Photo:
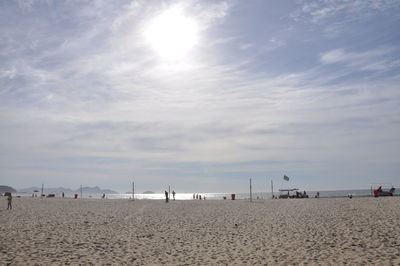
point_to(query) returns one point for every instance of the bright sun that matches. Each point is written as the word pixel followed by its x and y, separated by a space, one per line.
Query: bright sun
pixel 172 34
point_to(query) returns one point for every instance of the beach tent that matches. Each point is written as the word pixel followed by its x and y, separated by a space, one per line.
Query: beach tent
pixel 286 195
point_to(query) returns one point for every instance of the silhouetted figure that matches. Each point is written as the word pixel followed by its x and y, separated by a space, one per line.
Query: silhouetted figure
pixel 194 196
pixel 166 197
pixel 9 199
pixel 104 195
pixel 173 194
pixel 63 194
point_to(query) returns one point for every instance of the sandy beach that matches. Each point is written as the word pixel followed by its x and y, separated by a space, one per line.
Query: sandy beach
pixel 144 232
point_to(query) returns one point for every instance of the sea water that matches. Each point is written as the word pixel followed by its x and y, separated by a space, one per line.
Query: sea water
pixel 218 196
pixel 255 195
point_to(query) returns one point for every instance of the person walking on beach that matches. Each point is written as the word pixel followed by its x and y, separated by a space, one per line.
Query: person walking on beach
pixel 9 200
pixel 63 194
pixel 173 194
pixel 166 197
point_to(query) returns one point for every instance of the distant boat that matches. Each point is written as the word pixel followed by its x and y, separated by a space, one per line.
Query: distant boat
pixel 148 192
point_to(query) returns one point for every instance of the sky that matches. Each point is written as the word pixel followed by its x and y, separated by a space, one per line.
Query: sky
pixel 200 95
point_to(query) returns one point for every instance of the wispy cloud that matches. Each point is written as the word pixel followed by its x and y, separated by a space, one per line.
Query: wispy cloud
pixel 245 46
pixel 362 61
pixel 321 10
pixel 336 16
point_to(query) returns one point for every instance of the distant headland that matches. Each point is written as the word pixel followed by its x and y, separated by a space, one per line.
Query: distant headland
pixel 86 190
pixel 4 189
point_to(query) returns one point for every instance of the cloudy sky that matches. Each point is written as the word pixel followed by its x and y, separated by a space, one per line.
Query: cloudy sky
pixel 201 95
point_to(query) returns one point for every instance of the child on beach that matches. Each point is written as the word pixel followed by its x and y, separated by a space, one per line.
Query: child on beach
pixel 9 199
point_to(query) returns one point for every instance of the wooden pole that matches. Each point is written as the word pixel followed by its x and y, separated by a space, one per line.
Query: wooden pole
pixel 133 190
pixel 272 188
pixel 251 195
pixel 81 192
pixel 41 195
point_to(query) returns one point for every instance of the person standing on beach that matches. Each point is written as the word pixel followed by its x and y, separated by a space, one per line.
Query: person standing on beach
pixel 173 194
pixel 9 199
pixel 63 194
pixel 166 197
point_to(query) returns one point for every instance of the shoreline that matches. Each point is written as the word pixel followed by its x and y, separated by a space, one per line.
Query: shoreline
pixel 209 196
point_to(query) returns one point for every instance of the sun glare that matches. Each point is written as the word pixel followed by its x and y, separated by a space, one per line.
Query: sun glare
pixel 172 34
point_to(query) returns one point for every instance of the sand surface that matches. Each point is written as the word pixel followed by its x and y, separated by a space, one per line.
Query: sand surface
pixel 274 232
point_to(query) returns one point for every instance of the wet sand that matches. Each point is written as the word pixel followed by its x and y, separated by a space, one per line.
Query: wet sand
pixel 143 232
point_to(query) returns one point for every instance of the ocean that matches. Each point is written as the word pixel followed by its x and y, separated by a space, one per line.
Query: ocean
pixel 220 196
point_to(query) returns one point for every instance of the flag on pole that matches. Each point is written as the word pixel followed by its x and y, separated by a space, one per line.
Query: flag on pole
pixel 286 178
